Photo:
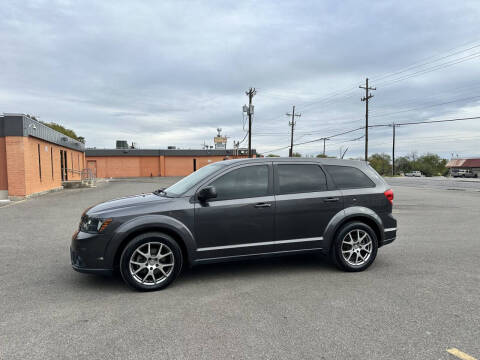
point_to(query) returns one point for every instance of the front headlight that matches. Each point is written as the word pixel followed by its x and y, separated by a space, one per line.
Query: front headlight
pixel 93 225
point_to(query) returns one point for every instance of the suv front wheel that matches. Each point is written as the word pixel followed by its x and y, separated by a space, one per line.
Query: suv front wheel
pixel 355 247
pixel 151 261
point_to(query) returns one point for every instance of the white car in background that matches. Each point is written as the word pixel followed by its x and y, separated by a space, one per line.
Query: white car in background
pixel 414 173
pixel 463 173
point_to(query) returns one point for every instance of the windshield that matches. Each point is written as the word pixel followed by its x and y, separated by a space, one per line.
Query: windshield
pixel 188 182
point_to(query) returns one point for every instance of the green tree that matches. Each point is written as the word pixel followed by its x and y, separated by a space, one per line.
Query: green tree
pixel 403 165
pixel 381 163
pixel 431 165
pixel 273 155
pixel 64 130
pixel 296 154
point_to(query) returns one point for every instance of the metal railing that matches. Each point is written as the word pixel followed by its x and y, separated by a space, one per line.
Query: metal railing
pixel 89 174
pixel 86 175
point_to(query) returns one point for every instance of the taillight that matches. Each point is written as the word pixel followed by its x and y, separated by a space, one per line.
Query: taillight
pixel 389 195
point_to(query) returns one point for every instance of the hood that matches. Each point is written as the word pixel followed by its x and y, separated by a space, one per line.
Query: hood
pixel 126 202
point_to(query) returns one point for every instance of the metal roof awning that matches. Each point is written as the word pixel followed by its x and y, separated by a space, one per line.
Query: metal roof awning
pixel 464 163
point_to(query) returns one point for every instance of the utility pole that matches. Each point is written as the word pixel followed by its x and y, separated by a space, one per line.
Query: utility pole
pixel 250 93
pixel 324 145
pixel 393 150
pixel 292 124
pixel 365 98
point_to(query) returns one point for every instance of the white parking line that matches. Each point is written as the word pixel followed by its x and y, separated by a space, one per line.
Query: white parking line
pixel 460 354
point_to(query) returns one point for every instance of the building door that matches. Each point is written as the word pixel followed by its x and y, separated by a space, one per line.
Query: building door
pixel 65 164
pixel 92 165
pixel 62 168
pixel 194 165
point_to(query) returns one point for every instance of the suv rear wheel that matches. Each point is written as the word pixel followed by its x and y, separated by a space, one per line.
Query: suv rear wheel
pixel 355 247
pixel 151 261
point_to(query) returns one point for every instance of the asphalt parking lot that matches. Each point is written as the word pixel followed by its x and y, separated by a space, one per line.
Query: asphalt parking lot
pixel 438 182
pixel 420 297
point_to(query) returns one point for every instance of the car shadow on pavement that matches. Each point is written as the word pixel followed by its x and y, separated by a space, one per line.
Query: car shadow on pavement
pixel 305 263
pixel 257 267
pixel 92 282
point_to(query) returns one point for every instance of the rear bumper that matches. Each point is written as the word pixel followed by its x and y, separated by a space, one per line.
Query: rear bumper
pixel 390 234
pixel 388 241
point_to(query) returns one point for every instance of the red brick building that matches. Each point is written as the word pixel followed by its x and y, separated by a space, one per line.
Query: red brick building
pixel 117 163
pixel 35 158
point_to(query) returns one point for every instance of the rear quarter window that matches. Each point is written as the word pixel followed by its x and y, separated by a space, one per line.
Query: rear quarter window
pixel 348 177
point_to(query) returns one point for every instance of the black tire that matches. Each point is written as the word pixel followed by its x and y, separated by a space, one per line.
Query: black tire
pixel 336 250
pixel 160 242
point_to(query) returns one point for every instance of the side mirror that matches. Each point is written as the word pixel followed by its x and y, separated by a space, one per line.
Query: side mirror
pixel 206 193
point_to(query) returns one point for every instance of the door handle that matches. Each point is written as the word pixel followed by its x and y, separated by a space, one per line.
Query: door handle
pixel 263 205
pixel 331 199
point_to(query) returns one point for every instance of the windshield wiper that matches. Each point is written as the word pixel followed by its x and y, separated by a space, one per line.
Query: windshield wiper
pixel 160 192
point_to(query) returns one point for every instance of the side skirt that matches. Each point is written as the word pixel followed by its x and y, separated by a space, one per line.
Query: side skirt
pixel 255 256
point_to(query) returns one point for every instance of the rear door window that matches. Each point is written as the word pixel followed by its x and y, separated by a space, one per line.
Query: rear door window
pixel 348 177
pixel 300 178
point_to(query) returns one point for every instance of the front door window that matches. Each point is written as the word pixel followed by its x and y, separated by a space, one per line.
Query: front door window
pixel 246 182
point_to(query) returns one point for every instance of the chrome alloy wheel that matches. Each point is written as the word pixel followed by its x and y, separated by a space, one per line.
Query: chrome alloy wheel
pixel 357 247
pixel 151 263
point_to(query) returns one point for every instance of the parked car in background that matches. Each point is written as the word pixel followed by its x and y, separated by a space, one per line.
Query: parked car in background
pixel 463 173
pixel 414 173
pixel 240 209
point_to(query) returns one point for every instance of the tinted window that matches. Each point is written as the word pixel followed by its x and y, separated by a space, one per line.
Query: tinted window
pixel 246 182
pixel 346 177
pixel 300 178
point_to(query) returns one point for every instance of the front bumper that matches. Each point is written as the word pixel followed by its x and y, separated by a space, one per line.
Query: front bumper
pixel 87 254
pixel 106 272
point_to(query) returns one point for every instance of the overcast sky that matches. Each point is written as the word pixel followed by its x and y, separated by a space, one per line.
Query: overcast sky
pixel 165 73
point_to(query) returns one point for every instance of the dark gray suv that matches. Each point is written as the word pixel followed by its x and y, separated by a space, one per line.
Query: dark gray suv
pixel 239 209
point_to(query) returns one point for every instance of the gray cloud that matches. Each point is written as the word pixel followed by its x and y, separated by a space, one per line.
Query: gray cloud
pixel 170 72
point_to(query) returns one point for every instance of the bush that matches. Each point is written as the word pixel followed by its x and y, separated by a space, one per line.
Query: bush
pixel 429 164
pixel 381 163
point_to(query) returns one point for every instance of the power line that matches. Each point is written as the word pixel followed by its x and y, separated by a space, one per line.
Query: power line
pixel 385 83
pixel 414 74
pixel 329 98
pixel 278 149
pixel 423 66
pixel 312 132
pixel 428 121
pixel 433 139
pixel 243 138
pixel 414 101
pixel 420 63
pixel 315 140
pixel 428 70
pixel 426 106
pixel 307 132
pixel 377 125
